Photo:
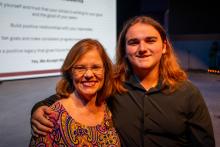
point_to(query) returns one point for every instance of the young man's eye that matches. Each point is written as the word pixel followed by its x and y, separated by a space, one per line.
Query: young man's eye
pixel 150 40
pixel 133 42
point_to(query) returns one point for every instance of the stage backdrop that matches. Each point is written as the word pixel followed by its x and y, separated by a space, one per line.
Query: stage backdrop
pixel 35 36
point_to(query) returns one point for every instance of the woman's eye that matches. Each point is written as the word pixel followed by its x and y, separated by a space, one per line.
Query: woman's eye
pixel 79 67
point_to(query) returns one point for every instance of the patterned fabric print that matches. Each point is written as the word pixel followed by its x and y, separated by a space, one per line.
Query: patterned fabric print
pixel 68 132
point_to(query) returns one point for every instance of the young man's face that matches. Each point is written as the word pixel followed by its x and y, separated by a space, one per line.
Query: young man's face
pixel 144 47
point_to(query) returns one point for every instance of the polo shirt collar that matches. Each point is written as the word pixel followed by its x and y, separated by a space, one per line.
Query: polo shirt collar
pixel 133 81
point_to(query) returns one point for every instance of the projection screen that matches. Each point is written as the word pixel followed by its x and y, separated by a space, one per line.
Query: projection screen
pixel 36 35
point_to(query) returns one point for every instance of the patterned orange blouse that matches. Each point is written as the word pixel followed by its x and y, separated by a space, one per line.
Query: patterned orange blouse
pixel 68 132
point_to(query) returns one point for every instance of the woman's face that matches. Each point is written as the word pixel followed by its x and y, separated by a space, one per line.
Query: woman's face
pixel 88 74
pixel 144 47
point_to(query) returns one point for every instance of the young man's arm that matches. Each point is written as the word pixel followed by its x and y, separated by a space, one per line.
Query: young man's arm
pixel 39 122
pixel 46 102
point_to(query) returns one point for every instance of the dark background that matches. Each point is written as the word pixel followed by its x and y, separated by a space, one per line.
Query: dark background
pixel 184 17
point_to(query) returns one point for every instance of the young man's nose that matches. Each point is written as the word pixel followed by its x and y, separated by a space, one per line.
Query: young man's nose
pixel 142 46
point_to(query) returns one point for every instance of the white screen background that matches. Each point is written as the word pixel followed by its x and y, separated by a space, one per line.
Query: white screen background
pixel 35 36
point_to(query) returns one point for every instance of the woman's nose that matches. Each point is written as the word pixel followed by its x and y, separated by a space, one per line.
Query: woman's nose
pixel 89 73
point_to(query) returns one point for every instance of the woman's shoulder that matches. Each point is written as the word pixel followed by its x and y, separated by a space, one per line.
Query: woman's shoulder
pixel 57 110
pixel 57 106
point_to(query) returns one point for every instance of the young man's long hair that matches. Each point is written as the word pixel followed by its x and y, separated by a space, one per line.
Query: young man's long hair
pixel 169 69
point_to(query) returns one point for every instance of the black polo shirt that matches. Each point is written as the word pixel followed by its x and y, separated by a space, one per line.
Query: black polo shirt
pixel 157 119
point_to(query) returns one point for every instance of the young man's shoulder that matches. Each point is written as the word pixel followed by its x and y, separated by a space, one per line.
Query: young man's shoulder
pixel 188 85
pixel 189 88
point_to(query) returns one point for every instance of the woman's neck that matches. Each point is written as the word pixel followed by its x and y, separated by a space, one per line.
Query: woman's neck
pixel 86 113
pixel 82 102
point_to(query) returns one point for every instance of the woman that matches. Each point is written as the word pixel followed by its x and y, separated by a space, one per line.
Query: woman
pixel 82 117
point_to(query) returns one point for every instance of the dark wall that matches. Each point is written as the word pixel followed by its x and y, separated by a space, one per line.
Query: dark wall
pixel 130 8
pixel 184 17
pixel 126 10
pixel 194 17
pixel 155 9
